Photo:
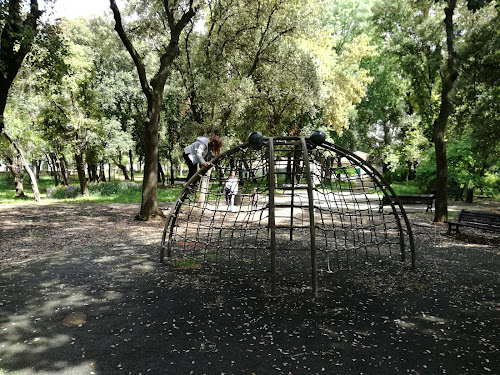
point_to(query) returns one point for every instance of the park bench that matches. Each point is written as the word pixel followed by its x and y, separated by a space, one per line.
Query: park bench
pixel 294 186
pixel 180 180
pixel 475 219
pixel 458 192
pixel 427 199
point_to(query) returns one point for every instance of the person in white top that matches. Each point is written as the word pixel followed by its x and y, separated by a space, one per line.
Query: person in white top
pixel 196 152
pixel 230 190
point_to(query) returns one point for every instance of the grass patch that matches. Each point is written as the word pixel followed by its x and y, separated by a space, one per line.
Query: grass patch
pixel 118 191
pixel 409 188
pixel 193 263
pixel 107 192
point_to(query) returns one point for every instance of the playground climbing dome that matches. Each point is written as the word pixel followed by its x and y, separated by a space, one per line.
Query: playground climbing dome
pixel 299 205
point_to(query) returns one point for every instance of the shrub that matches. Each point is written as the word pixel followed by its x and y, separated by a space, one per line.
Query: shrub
pixel 465 169
pixel 108 189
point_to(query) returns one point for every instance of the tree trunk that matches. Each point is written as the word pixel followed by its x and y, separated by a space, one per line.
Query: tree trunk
pixel 4 92
pixel 36 167
pixel 387 143
pixel 34 184
pixel 81 175
pixel 60 172
pixel 17 37
pixel 10 166
pixel 122 167
pixel 131 164
pixel 153 91
pixel 64 171
pixel 149 203
pixel 22 159
pixel 124 170
pixel 17 171
pixel 92 169
pixel 451 74
pixel 172 171
pixel 161 174
pixel 469 197
pixel 95 173
pixel 53 166
pixel 102 173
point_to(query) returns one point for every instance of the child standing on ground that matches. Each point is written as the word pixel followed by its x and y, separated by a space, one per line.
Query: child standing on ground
pixel 230 190
pixel 254 197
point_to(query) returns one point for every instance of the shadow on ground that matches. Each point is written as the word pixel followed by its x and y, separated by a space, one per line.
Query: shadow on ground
pixel 132 315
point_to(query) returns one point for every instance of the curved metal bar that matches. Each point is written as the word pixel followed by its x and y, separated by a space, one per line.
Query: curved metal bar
pixel 383 185
pixel 172 217
pixel 355 160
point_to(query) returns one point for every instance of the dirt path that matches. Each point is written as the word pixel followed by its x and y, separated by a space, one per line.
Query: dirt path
pixel 29 231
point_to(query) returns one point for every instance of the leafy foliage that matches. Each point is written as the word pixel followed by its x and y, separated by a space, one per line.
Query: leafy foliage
pixel 366 72
pixel 464 168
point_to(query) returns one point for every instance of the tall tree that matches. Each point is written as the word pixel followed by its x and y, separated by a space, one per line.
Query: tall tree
pixel 177 15
pixel 17 37
pixel 448 80
pixel 450 75
pixel 18 32
pixel 268 65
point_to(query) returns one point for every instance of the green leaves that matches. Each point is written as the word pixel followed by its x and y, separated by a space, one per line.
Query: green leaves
pixel 475 5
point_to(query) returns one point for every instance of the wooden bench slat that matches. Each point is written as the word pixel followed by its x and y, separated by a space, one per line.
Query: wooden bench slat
pixel 427 199
pixel 475 219
pixel 458 192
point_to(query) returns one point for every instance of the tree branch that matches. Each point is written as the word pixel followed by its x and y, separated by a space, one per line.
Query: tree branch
pixel 141 70
pixel 170 15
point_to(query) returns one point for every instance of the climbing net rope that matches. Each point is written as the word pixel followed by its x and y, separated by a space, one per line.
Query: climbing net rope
pixel 290 206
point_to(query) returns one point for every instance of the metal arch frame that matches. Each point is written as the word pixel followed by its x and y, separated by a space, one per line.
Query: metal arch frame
pixel 381 183
pixel 172 217
pixel 384 186
pixel 307 145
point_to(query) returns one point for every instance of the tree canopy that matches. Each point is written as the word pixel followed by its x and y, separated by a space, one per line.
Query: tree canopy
pixel 138 84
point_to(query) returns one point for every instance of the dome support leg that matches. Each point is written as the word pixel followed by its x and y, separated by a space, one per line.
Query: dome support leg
pixel 272 215
pixel 312 224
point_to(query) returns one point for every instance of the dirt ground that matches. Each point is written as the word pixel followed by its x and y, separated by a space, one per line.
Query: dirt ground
pixel 32 231
pixel 95 266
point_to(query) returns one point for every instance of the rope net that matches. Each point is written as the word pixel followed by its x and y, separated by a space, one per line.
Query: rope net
pixel 293 207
